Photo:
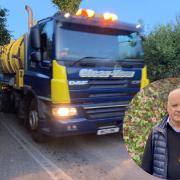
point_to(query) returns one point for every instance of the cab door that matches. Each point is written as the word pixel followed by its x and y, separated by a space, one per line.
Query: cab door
pixel 39 66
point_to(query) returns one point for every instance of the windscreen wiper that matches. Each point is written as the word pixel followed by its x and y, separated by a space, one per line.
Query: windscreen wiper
pixel 82 59
pixel 93 61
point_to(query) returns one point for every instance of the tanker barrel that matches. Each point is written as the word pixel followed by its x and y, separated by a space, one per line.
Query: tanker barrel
pixel 12 56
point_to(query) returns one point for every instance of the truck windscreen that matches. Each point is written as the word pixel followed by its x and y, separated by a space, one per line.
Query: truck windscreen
pixel 74 45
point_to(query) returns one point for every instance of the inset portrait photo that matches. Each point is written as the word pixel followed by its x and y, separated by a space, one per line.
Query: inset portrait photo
pixel 151 129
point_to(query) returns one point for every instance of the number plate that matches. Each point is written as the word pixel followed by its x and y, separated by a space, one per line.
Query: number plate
pixel 108 131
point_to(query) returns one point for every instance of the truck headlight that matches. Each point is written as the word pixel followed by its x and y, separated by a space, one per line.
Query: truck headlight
pixel 64 111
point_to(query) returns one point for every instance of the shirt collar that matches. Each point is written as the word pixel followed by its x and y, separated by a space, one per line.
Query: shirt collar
pixel 168 122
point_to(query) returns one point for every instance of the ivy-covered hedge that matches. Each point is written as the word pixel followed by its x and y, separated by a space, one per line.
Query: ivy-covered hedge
pixel 146 110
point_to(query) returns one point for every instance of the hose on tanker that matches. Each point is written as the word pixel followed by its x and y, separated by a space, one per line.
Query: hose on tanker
pixel 12 56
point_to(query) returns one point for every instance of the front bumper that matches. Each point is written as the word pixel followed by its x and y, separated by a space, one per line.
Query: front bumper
pixel 59 128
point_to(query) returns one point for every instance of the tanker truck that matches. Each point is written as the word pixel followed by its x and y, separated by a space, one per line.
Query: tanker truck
pixel 72 74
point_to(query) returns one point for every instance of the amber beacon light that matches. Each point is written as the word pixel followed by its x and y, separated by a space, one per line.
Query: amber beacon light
pixel 85 12
pixel 90 14
pixel 110 16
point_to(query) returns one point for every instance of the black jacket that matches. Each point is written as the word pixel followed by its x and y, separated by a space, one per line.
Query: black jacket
pixel 158 138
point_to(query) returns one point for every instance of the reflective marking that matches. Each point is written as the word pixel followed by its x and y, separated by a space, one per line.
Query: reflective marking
pixel 53 171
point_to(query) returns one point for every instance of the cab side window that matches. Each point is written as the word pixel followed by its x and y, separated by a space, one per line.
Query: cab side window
pixel 46 34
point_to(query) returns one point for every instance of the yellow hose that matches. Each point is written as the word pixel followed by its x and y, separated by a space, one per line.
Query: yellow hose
pixel 12 56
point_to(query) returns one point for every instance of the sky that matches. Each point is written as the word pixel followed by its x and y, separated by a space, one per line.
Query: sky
pixel 152 12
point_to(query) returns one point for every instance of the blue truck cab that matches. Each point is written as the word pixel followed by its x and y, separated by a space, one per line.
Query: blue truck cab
pixel 78 76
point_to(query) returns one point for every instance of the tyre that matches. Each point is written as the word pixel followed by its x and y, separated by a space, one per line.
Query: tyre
pixel 33 123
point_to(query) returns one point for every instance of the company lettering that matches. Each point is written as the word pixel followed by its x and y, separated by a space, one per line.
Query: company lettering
pixel 114 73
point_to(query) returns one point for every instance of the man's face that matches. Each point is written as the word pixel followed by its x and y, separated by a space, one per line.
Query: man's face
pixel 173 106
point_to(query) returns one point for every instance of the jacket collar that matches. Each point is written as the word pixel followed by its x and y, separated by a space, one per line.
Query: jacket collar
pixel 163 125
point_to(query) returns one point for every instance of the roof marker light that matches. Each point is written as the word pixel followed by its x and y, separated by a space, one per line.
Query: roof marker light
pixel 138 26
pixel 67 15
pixel 109 16
pixel 90 13
pixel 87 13
pixel 114 17
pixel 79 12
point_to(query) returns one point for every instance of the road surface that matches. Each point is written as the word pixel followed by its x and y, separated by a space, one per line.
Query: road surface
pixel 87 157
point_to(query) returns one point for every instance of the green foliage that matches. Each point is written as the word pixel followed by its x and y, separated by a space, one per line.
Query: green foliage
pixel 70 6
pixel 4 33
pixel 144 112
pixel 162 51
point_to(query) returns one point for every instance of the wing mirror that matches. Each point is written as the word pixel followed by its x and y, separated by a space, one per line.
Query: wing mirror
pixel 35 38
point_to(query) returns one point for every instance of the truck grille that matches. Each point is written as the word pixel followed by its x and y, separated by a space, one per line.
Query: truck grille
pixel 105 110
pixel 104 90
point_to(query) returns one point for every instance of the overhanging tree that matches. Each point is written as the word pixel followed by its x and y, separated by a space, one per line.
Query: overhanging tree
pixel 4 33
pixel 162 51
pixel 70 6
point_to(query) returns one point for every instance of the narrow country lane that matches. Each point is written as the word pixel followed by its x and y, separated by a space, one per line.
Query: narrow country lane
pixel 87 157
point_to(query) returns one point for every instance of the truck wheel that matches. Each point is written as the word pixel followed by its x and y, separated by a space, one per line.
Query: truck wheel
pixel 33 123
